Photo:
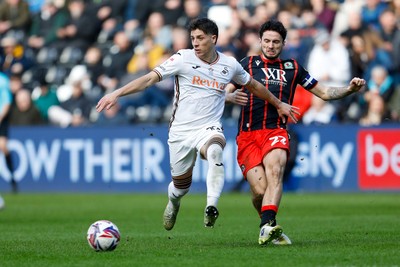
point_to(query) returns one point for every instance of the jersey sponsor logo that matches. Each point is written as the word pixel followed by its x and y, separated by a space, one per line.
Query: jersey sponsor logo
pixel 275 76
pixel 197 80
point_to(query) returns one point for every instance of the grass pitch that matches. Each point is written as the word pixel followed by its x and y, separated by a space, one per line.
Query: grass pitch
pixel 326 230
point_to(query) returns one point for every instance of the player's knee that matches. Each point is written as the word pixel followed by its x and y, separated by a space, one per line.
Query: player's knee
pixel 215 152
pixel 182 182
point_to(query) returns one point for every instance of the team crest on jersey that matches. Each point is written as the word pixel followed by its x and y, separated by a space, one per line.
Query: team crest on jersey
pixel 288 65
pixel 225 71
pixel 258 62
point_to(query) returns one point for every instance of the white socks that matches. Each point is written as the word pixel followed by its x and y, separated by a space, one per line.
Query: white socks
pixel 175 194
pixel 215 174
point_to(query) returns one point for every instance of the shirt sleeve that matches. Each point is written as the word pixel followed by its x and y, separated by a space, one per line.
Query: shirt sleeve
pixel 306 80
pixel 241 77
pixel 172 66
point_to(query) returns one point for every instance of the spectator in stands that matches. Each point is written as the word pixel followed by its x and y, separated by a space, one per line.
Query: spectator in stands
pixel 45 24
pixel 14 18
pixel 381 84
pixel 295 47
pixel 180 39
pixel 326 53
pixel 325 13
pixel 151 103
pixel 36 5
pixel 75 111
pixel 117 58
pixel 78 106
pixel 158 30
pixel 13 59
pixel 171 10
pixel 24 112
pixel 152 50
pixel 94 69
pixel 112 117
pixel 192 9
pixel 16 84
pixel 249 43
pixel 344 15
pixel 80 29
pixel 44 97
pixel 395 7
pixel 375 112
pixel 394 105
pixel 371 11
pixel 387 32
pixel 320 112
pixel 111 16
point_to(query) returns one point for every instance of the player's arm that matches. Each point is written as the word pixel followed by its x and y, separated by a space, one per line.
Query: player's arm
pixel 235 96
pixel 283 109
pixel 332 93
pixel 132 87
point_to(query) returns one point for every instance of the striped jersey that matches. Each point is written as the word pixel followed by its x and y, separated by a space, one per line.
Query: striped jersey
pixel 199 87
pixel 281 78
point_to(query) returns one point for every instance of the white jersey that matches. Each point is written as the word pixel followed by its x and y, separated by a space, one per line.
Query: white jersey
pixel 199 87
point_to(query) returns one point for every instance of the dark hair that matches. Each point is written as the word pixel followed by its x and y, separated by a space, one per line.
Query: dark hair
pixel 273 25
pixel 204 24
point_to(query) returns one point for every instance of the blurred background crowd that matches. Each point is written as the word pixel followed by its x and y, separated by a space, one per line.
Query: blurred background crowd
pixel 61 56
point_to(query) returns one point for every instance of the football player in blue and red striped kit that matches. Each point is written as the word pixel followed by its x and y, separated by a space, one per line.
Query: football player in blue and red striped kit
pixel 262 140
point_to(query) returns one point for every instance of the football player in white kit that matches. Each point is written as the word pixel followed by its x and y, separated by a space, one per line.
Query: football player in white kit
pixel 201 75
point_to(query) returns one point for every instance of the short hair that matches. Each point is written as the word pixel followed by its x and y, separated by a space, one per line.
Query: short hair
pixel 206 25
pixel 273 25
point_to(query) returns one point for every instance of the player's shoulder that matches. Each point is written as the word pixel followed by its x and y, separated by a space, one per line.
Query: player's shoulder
pixel 185 53
pixel 226 58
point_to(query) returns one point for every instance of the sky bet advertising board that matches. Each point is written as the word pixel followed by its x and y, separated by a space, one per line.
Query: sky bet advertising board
pixel 341 158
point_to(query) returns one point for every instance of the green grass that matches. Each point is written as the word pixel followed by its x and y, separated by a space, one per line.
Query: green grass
pixel 326 230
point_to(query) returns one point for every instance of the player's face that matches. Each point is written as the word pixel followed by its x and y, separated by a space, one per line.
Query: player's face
pixel 271 44
pixel 203 44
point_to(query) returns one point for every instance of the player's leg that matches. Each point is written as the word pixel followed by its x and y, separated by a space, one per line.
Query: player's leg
pixel 7 156
pixel 212 151
pixel 274 163
pixel 177 188
pixel 182 159
pixel 258 184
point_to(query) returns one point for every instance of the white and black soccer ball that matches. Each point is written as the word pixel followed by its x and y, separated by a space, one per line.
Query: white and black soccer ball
pixel 103 235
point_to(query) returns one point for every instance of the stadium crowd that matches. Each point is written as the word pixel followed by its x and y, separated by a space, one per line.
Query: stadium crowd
pixel 61 56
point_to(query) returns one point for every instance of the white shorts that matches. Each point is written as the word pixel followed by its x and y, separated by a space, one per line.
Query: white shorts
pixel 184 146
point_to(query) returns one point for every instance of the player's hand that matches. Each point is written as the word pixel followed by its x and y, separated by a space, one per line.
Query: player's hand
pixel 107 101
pixel 356 84
pixel 285 109
pixel 237 97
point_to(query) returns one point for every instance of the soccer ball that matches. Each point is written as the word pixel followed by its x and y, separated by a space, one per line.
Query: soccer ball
pixel 103 235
